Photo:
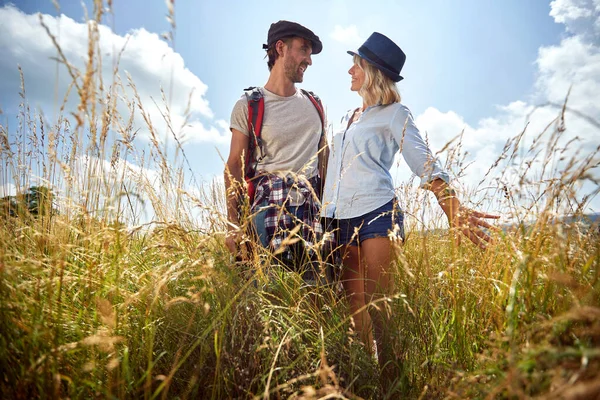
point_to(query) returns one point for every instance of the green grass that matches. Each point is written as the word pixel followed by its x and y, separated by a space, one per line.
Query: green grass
pixel 92 304
pixel 167 314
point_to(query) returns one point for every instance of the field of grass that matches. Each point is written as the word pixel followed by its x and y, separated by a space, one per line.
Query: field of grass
pixel 96 302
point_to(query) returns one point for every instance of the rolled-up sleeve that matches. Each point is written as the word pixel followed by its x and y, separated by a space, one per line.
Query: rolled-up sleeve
pixel 417 155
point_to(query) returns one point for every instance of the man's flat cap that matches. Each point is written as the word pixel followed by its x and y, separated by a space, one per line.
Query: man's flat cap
pixel 282 29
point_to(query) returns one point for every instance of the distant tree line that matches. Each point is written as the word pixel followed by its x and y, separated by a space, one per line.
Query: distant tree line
pixel 37 201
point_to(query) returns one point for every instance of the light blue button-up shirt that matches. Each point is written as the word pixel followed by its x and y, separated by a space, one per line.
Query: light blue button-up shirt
pixel 358 173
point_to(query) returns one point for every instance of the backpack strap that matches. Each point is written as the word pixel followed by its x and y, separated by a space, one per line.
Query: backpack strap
pixel 319 106
pixel 256 111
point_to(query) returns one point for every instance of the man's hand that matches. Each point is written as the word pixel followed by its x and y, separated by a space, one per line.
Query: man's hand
pixel 233 241
pixel 234 189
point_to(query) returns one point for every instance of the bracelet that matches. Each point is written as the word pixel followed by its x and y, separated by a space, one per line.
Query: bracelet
pixel 446 193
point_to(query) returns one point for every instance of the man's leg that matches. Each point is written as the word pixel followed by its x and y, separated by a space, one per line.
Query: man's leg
pixel 258 223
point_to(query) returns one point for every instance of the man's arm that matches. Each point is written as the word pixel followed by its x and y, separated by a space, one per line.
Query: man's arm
pixel 234 185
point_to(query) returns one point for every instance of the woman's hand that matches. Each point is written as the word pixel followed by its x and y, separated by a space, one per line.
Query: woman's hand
pixel 462 219
pixel 469 223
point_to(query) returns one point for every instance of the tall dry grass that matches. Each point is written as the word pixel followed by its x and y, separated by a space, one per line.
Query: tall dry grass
pixel 95 301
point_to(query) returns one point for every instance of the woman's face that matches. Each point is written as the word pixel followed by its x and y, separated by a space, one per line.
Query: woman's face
pixel 358 77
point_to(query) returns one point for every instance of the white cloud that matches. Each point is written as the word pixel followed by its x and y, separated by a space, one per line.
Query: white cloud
pixel 565 11
pixel 142 194
pixel 118 187
pixel 348 35
pixel 146 191
pixel 580 17
pixel 150 62
pixel 573 64
pixel 441 128
pixel 8 189
pixel 219 133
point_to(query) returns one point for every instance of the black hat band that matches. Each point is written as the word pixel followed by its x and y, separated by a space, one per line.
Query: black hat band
pixel 375 58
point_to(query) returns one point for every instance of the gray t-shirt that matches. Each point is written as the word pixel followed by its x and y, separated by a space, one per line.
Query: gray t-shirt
pixel 291 132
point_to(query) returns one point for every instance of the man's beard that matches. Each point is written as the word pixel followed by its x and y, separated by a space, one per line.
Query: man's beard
pixel 292 72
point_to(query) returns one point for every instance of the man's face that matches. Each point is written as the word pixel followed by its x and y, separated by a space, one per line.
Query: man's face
pixel 296 58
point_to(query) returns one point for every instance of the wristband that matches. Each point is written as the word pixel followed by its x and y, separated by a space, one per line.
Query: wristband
pixel 446 193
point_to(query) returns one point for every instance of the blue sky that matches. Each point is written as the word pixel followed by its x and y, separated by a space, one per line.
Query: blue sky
pixel 481 66
pixel 467 56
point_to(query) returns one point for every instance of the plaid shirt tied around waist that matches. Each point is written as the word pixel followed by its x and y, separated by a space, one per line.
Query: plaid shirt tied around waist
pixel 273 193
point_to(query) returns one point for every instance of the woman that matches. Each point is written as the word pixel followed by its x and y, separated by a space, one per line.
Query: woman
pixel 359 192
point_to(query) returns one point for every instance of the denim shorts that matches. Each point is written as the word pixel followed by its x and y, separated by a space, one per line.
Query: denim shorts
pixel 374 224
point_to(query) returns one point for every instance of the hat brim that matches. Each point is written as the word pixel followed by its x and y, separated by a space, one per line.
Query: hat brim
pixel 317 46
pixel 387 72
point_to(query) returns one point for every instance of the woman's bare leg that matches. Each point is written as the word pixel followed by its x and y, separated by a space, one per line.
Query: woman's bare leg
pixel 353 280
pixel 376 260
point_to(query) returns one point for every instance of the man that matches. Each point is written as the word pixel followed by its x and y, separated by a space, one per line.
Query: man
pixel 292 157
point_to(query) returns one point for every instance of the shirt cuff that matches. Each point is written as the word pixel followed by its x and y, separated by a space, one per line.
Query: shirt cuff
pixel 436 173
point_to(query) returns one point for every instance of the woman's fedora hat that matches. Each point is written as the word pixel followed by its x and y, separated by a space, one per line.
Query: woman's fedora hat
pixel 384 54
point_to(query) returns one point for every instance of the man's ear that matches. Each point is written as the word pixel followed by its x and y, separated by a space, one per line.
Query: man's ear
pixel 279 47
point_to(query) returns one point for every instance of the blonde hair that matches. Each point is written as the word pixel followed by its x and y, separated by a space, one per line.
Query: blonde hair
pixel 377 88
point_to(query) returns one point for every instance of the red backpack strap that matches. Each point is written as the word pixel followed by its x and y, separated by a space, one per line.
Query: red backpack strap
pixel 256 111
pixel 318 105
